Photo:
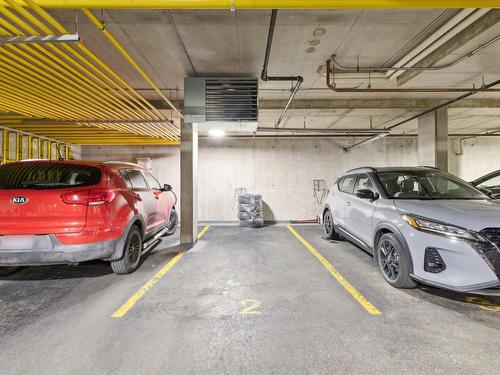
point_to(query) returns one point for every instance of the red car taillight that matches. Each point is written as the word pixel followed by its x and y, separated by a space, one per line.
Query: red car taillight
pixel 89 197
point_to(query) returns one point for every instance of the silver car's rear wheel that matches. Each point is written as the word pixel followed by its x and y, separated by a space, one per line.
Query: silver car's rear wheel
pixel 394 262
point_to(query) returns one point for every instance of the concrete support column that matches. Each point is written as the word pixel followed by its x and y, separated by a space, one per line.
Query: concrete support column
pixel 433 139
pixel 189 185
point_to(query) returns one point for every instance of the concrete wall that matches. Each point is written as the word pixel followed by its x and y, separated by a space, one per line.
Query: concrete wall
pixel 476 157
pixel 283 170
pixel 165 159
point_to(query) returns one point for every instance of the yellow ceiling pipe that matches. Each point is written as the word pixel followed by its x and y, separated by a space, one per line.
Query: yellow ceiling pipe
pixel 58 63
pixel 61 83
pixel 100 108
pixel 58 82
pixel 129 92
pixel 30 86
pixel 26 76
pixel 104 106
pixel 56 70
pixel 138 104
pixel 47 87
pixel 264 4
pixel 171 130
pixel 130 59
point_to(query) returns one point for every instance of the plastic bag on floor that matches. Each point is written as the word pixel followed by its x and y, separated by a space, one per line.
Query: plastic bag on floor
pixel 255 222
pixel 250 210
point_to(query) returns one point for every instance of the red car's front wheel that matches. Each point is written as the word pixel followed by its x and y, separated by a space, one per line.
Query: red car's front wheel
pixel 172 222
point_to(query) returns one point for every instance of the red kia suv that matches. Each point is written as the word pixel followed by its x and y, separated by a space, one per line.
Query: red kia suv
pixel 66 212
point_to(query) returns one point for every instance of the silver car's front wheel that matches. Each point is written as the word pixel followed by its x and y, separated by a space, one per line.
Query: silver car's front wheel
pixel 328 226
pixel 394 262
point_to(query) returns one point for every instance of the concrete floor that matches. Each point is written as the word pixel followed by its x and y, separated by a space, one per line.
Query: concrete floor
pixel 57 320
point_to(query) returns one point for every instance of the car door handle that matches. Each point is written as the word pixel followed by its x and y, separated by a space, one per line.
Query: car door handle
pixel 347 203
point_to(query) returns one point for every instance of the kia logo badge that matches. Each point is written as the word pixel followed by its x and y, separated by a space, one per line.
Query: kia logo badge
pixel 19 200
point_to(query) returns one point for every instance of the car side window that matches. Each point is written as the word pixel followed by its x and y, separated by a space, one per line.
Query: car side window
pixel 363 182
pixel 137 179
pixel 347 183
pixel 152 181
pixel 493 182
pixel 126 180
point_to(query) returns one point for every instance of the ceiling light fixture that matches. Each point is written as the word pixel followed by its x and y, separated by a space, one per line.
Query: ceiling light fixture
pixel 216 133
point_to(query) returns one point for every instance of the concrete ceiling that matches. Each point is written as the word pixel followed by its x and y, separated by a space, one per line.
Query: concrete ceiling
pixel 233 43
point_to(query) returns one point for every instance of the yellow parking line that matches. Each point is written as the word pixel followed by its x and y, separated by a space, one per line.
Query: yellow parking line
pixel 367 305
pixel 202 232
pixel 125 308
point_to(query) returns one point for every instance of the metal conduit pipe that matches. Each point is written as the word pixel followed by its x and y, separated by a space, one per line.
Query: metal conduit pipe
pixel 443 105
pixel 373 69
pixel 332 85
pixel 323 136
pixel 323 131
pixel 265 77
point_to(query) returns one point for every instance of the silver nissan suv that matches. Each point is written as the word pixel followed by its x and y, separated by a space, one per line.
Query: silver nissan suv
pixel 421 225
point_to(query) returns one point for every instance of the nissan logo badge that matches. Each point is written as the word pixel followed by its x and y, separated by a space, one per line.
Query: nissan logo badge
pixel 19 200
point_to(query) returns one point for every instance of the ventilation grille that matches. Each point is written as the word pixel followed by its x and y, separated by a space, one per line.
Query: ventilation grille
pixel 231 99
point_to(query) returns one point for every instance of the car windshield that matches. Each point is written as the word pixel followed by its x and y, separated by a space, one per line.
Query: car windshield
pixel 426 184
pixel 46 175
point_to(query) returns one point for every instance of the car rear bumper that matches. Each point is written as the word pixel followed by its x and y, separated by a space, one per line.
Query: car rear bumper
pixel 46 249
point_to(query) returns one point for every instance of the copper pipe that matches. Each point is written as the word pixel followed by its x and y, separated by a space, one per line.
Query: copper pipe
pixel 331 84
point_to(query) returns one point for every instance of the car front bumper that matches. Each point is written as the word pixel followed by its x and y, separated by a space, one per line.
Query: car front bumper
pixel 20 250
pixel 467 270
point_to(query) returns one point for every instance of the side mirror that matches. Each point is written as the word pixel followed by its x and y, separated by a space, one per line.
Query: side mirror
pixel 167 187
pixel 366 194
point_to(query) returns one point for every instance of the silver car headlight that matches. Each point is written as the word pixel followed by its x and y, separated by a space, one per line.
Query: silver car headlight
pixel 443 229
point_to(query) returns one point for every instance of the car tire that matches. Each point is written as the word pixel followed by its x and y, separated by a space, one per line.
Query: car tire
pixel 129 262
pixel 395 262
pixel 173 222
pixel 329 227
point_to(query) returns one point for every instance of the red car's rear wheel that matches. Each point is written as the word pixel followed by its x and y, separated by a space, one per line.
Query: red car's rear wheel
pixel 129 262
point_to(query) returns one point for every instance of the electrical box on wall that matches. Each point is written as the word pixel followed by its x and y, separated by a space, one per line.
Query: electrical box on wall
pixel 231 103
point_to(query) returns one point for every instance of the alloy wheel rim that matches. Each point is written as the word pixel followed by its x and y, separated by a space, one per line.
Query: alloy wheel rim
pixel 172 222
pixel 328 223
pixel 134 248
pixel 389 260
